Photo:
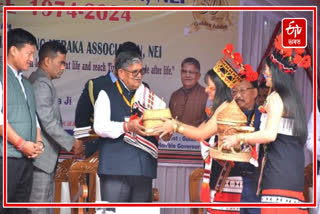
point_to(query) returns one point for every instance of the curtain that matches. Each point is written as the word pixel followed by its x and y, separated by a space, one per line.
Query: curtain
pixel 257 28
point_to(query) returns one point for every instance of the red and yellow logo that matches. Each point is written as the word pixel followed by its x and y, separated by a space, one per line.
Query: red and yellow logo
pixel 294 32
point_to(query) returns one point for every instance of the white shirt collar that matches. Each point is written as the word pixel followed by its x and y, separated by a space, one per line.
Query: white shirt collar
pixel 16 73
pixel 124 85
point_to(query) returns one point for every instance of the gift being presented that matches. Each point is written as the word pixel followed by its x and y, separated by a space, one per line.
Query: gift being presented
pixel 232 121
pixel 146 103
pixel 152 107
pixel 152 118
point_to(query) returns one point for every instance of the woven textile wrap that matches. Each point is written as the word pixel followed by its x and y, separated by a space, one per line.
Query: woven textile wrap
pixel 145 100
pixel 155 109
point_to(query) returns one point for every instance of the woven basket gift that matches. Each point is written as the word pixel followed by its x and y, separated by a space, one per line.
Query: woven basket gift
pixel 152 118
pixel 231 121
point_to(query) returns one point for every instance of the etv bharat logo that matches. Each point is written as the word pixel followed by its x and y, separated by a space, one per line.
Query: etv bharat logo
pixel 294 33
pixel 296 30
pixel 210 20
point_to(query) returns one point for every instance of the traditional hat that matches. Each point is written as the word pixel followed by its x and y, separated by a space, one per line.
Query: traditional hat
pixel 289 59
pixel 231 70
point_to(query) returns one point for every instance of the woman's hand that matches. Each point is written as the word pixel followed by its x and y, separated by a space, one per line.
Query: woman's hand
pixel 229 141
pixel 167 128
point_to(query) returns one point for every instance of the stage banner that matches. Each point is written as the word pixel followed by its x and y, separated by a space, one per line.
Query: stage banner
pixel 165 38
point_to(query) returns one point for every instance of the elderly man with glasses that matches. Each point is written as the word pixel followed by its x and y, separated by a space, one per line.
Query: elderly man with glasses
pixel 245 94
pixel 125 171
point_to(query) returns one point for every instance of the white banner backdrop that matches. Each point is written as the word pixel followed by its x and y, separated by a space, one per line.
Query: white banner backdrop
pixel 165 38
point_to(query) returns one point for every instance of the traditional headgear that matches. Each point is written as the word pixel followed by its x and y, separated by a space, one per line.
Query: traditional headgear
pixel 231 70
pixel 288 59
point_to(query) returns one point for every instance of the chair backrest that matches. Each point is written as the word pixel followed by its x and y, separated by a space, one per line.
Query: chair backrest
pixel 62 175
pixel 77 174
pixel 194 188
pixel 62 170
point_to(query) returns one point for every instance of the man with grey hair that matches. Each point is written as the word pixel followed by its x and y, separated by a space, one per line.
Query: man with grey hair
pixel 125 171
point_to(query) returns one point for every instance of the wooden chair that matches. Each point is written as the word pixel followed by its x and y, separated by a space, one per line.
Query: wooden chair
pixel 194 186
pixel 81 168
pixel 81 197
pixel 77 175
pixel 155 194
pixel 61 176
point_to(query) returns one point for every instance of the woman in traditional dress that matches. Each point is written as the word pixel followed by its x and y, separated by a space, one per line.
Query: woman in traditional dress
pixel 219 82
pixel 283 131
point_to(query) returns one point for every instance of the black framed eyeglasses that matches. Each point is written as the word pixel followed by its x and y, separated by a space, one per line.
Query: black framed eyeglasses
pixel 242 91
pixel 135 72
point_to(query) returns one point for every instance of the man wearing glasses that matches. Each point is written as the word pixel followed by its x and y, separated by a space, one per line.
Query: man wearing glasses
pixel 188 103
pixel 85 105
pixel 245 94
pixel 125 171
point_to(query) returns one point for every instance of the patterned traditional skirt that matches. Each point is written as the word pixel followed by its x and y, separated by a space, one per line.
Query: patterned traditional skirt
pixel 282 196
pixel 231 193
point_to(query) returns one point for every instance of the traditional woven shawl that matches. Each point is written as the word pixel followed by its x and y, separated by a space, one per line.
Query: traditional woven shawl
pixel 144 99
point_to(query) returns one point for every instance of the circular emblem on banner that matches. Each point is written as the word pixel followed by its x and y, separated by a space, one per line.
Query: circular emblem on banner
pixel 210 20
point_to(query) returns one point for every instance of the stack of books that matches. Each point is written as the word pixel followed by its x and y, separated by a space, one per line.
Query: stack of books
pixel 84 132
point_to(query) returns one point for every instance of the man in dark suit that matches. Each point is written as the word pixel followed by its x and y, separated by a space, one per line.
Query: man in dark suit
pixel 52 59
pixel 125 171
pixel 85 105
